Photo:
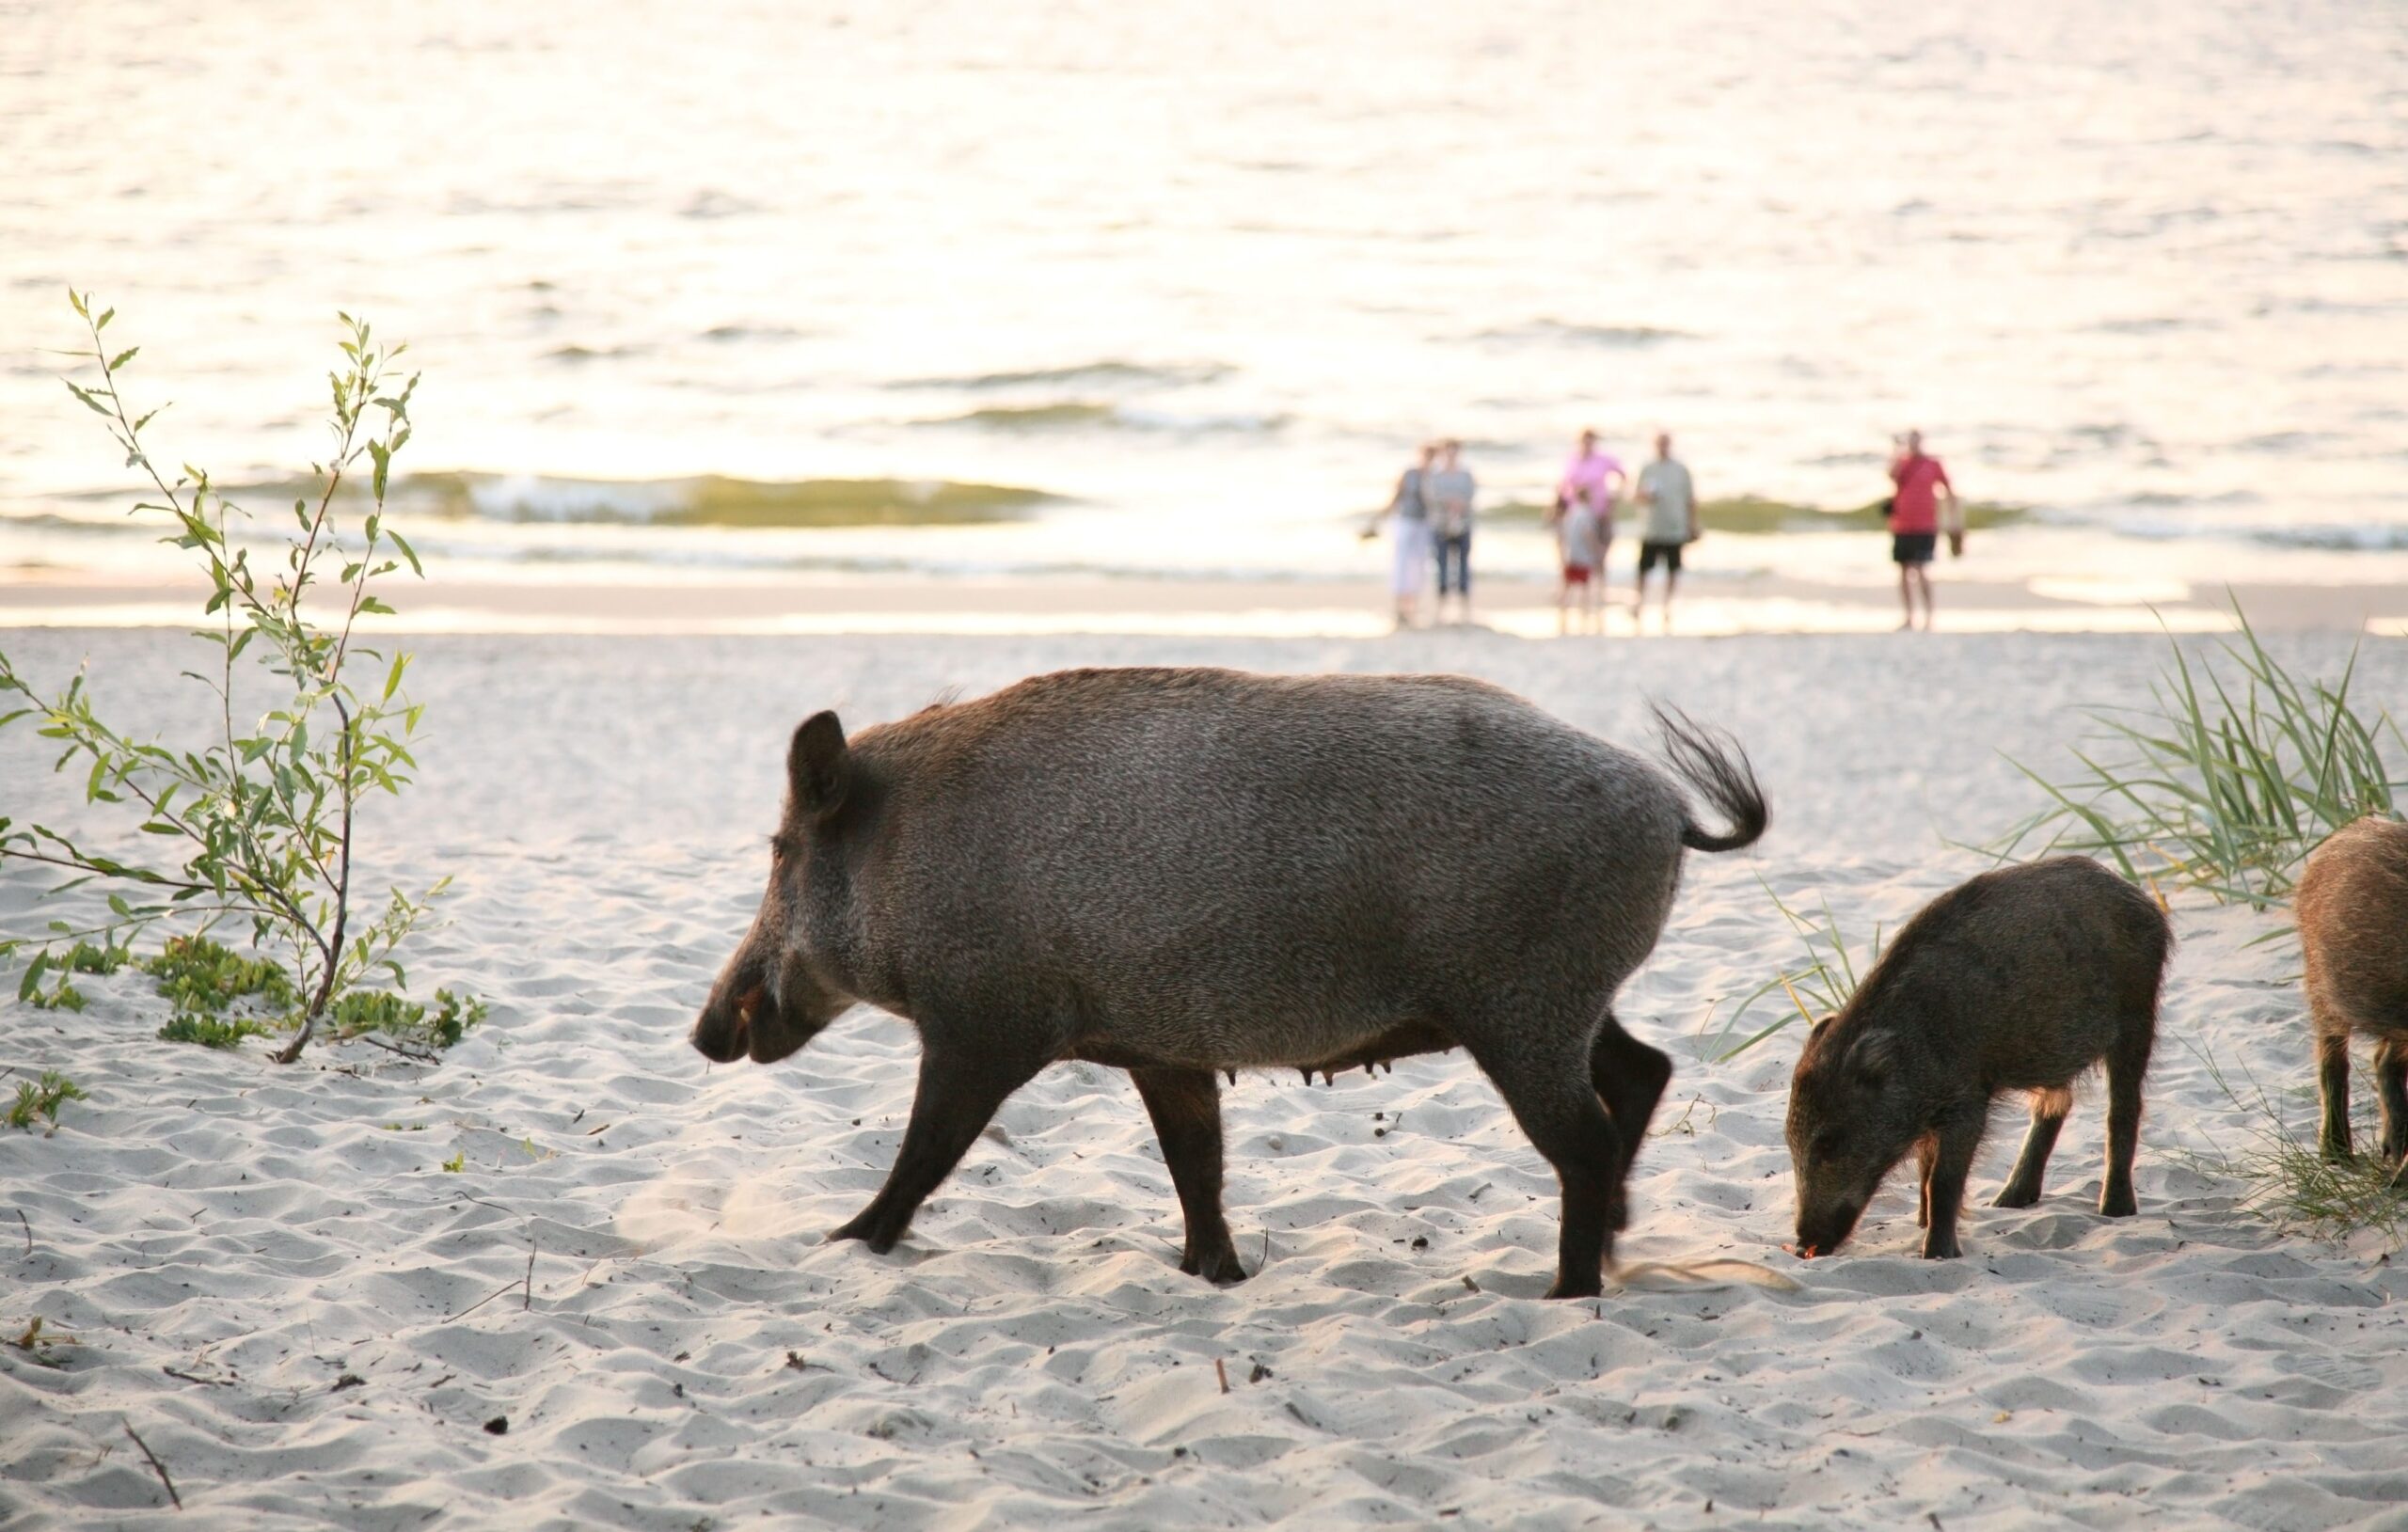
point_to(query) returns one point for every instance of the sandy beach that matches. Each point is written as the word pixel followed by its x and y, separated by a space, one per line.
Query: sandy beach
pixel 268 1274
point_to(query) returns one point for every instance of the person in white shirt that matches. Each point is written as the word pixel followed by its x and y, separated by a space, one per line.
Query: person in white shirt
pixel 1668 496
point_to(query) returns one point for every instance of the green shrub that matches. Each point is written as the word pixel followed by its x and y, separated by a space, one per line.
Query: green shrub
pixel 253 822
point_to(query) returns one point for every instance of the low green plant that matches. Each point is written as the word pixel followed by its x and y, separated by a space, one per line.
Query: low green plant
pixel 257 820
pixel 1818 985
pixel 41 1098
pixel 62 995
pixel 458 1163
pixel 198 975
pixel 2231 775
pixel 2294 1186
pixel 210 1031
pixel 408 1020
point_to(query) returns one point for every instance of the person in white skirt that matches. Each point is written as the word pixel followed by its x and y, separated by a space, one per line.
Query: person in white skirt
pixel 1411 510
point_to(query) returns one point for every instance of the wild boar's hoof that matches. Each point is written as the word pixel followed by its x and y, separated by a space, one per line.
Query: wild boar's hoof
pixel 1942 1250
pixel 2123 1207
pixel 2016 1196
pixel 1218 1266
pixel 870 1230
pixel 1573 1286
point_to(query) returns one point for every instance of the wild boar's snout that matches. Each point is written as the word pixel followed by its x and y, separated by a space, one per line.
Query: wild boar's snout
pixel 722 1033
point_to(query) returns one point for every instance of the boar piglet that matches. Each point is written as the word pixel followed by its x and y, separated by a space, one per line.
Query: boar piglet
pixel 2353 911
pixel 2019 980
pixel 1185 872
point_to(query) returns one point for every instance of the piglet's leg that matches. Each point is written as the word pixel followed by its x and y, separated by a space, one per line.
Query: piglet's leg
pixel 2391 1090
pixel 1185 1105
pixel 2333 1081
pixel 1952 1162
pixel 959 1094
pixel 2127 1067
pixel 1926 1150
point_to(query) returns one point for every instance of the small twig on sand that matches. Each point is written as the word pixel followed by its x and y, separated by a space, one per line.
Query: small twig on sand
pixel 414 1055
pixel 1221 1371
pixel 488 1298
pixel 28 1229
pixel 196 1378
pixel 530 1279
pixel 157 1467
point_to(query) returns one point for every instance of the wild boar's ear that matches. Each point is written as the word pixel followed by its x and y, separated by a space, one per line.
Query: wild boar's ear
pixel 816 765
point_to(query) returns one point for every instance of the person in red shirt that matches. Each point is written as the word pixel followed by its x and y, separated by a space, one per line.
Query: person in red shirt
pixel 1922 497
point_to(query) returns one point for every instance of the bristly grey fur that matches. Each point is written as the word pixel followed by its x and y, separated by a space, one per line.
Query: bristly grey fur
pixel 1184 870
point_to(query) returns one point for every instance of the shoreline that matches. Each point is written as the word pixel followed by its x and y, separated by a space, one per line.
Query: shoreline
pixel 649 603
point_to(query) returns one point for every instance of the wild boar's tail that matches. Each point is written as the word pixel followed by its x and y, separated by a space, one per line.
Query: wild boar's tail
pixel 1712 762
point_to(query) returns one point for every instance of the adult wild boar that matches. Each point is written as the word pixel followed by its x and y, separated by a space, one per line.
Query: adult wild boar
pixel 2352 912
pixel 1181 872
pixel 2022 979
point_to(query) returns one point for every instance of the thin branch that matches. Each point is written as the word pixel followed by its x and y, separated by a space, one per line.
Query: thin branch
pixel 157 1467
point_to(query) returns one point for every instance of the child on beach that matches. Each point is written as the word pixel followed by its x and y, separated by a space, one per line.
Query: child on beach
pixel 1584 530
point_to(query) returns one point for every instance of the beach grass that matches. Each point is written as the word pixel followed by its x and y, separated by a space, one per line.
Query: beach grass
pixel 2293 1185
pixel 1819 984
pixel 2223 783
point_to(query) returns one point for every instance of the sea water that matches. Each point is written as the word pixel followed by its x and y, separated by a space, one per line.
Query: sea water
pixel 1199 275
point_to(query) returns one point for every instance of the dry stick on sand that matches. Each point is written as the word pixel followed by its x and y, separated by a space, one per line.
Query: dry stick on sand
pixel 28 1229
pixel 1221 1371
pixel 527 1282
pixel 157 1467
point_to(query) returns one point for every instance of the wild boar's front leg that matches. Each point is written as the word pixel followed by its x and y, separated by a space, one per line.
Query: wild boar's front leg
pixel 1185 1105
pixel 960 1090
pixel 1952 1162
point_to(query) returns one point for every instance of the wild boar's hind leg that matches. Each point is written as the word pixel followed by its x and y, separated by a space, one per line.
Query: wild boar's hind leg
pixel 1630 1078
pixel 2127 1067
pixel 1185 1105
pixel 958 1096
pixel 2391 1089
pixel 1558 1106
pixel 2022 1189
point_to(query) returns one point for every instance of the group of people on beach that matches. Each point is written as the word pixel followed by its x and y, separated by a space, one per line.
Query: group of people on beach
pixel 1432 513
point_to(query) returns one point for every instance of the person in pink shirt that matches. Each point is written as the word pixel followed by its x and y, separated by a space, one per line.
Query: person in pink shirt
pixel 1921 496
pixel 1584 527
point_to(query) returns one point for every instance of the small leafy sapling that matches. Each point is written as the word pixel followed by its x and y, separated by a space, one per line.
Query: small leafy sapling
pixel 258 822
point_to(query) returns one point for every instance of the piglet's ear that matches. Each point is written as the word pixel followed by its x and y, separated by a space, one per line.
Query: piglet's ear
pixel 1875 1055
pixel 817 765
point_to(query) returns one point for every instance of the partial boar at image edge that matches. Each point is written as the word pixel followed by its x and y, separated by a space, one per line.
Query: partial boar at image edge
pixel 2351 909
pixel 2019 980
pixel 1186 872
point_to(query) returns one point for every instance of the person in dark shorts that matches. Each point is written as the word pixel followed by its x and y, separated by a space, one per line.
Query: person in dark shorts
pixel 1450 489
pixel 1921 490
pixel 1668 498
